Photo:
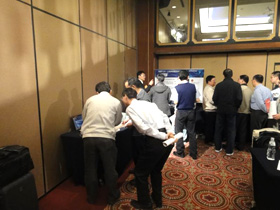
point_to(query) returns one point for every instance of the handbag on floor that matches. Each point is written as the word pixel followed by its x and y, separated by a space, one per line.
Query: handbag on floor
pixel 15 161
pixel 261 137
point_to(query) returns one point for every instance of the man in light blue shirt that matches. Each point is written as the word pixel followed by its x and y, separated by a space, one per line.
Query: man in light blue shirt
pixel 260 97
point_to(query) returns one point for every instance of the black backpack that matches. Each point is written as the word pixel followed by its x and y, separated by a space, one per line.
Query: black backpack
pixel 264 138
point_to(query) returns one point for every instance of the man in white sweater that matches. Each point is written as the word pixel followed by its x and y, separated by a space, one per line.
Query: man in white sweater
pixel 101 113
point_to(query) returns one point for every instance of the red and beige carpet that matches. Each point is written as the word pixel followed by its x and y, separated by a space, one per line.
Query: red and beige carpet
pixel 213 181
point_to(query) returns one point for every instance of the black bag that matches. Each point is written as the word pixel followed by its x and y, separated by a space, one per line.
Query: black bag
pixel 264 138
pixel 15 161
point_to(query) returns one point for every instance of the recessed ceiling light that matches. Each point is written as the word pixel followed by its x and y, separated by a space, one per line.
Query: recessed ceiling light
pixel 173 7
pixel 178 17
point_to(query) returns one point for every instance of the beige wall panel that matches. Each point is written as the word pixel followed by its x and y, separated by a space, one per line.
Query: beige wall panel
pixel 272 58
pixel 130 62
pixel 116 67
pixel 93 15
pixel 247 63
pixel 59 78
pixel 115 20
pixel 130 22
pixel 174 62
pixel 94 62
pixel 18 101
pixel 213 64
pixel 66 9
pixel 27 1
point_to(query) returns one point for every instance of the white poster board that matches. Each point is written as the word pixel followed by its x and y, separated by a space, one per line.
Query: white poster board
pixel 196 77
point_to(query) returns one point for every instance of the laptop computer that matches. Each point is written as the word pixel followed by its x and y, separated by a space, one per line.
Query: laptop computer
pixel 78 121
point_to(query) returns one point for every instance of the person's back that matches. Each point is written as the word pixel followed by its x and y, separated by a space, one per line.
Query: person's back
pixel 246 97
pixel 101 111
pixel 160 95
pixel 227 96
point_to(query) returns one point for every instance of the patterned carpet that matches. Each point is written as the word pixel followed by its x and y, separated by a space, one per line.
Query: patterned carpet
pixel 213 181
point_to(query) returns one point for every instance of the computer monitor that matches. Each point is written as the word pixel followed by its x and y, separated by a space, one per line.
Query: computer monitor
pixel 78 121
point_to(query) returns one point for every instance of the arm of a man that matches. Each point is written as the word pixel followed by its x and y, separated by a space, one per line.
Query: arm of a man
pixel 118 118
pixel 260 101
pixel 142 127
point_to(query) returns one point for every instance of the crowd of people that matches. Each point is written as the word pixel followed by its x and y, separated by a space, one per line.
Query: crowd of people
pixel 232 112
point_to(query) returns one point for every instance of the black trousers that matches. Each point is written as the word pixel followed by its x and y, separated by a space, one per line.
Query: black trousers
pixel 150 162
pixel 258 120
pixel 225 121
pixel 138 144
pixel 104 149
pixel 210 120
pixel 242 130
pixel 186 118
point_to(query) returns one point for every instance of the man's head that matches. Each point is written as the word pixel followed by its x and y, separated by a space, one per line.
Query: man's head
pixel 128 95
pixel 211 80
pixel 228 73
pixel 141 75
pixel 129 82
pixel 135 84
pixel 183 75
pixel 243 79
pixel 160 77
pixel 275 77
pixel 257 79
pixel 102 86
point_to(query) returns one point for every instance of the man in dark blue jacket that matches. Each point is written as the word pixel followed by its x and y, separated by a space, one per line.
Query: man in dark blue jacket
pixel 227 97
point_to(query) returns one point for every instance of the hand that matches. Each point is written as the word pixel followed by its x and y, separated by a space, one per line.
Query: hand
pixel 170 135
pixel 151 82
pixel 276 116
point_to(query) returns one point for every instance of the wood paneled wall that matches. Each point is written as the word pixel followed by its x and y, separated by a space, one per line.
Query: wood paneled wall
pixel 52 54
pixel 214 64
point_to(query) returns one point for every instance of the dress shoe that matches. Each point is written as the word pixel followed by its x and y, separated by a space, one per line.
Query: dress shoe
pixel 137 205
pixel 194 157
pixel 132 182
pixel 158 203
pixel 131 171
pixel 112 201
pixel 178 155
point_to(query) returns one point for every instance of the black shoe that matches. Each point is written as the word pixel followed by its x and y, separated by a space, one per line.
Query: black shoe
pixel 131 171
pixel 112 201
pixel 158 203
pixel 138 205
pixel 194 157
pixel 178 155
pixel 132 182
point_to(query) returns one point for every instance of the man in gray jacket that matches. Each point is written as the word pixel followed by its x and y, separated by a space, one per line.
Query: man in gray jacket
pixel 160 95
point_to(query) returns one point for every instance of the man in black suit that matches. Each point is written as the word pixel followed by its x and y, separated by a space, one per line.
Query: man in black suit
pixel 141 76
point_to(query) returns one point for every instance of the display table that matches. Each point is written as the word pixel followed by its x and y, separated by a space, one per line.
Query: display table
pixel 74 153
pixel 266 180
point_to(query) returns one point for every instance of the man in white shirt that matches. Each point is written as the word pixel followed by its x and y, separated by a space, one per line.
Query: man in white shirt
pixel 101 113
pixel 149 120
pixel 210 109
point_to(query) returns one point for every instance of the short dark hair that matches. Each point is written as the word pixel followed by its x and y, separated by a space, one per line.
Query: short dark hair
pixel 209 78
pixel 139 73
pixel 102 86
pixel 276 73
pixel 227 73
pixel 183 74
pixel 131 81
pixel 244 77
pixel 130 93
pixel 160 77
pixel 258 78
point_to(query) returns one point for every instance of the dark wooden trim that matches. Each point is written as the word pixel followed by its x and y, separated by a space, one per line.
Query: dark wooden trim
pixel 236 47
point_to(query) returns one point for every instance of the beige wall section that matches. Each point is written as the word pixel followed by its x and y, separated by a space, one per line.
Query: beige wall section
pixel 115 20
pixel 116 67
pixel 94 61
pixel 130 57
pixel 272 58
pixel 66 9
pixel 249 64
pixel 130 23
pixel 174 62
pixel 59 78
pixel 93 15
pixel 213 64
pixel 18 101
